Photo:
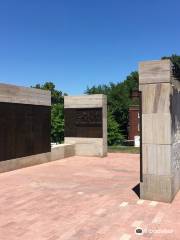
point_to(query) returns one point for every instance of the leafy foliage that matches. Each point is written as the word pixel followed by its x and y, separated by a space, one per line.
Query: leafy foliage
pixel 114 136
pixel 119 100
pixel 57 123
pixel 56 96
pixel 174 58
pixel 57 111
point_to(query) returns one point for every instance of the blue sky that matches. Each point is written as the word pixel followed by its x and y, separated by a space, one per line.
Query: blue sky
pixel 80 43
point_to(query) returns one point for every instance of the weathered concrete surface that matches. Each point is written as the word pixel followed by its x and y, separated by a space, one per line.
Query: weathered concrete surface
pixel 88 146
pixel 24 95
pixel 17 163
pixel 160 131
pixel 155 71
pixel 57 152
pixel 175 135
pixel 82 198
pixel 85 101
pixel 62 151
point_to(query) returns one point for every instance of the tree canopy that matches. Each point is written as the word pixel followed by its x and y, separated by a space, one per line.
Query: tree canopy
pixel 57 111
pixel 56 95
pixel 175 59
pixel 119 100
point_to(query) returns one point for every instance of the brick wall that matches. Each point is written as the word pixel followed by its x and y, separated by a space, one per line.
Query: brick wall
pixel 134 128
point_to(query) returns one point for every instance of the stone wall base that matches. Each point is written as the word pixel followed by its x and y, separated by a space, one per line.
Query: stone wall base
pixel 157 188
pixel 57 152
pixel 88 146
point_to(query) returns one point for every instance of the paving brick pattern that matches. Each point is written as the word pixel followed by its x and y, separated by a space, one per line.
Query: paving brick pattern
pixel 82 198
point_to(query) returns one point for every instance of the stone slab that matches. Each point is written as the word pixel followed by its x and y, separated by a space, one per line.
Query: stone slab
pixel 156 128
pixel 24 95
pixel 57 152
pixel 17 163
pixel 156 159
pixel 156 98
pixel 157 188
pixel 88 146
pixel 155 71
pixel 62 151
pixel 85 101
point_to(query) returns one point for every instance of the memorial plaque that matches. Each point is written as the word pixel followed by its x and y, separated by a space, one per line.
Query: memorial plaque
pixel 24 130
pixel 83 122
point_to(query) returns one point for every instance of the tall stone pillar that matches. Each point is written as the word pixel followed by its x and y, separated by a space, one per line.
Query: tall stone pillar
pixel 86 124
pixel 160 86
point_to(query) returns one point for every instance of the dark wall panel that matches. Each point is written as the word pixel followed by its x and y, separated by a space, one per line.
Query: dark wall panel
pixel 24 130
pixel 83 122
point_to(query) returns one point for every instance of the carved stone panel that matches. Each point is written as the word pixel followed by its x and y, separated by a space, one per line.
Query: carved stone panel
pixel 83 122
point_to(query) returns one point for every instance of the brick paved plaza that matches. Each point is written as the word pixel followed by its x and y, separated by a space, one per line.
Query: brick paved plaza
pixel 82 198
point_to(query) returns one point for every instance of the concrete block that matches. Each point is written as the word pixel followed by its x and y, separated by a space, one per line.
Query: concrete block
pixel 24 95
pixel 17 163
pixel 156 98
pixel 156 128
pixel 156 188
pixel 85 101
pixel 57 152
pixel 85 145
pixel 156 159
pixel 175 182
pixel 88 146
pixel 62 151
pixel 160 131
pixel 155 71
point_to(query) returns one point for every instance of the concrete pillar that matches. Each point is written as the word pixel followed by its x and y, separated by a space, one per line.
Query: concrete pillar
pixel 86 124
pixel 160 130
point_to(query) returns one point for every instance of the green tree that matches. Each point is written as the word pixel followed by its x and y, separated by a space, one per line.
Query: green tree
pixel 114 135
pixel 56 96
pixel 57 123
pixel 174 58
pixel 119 99
pixel 57 111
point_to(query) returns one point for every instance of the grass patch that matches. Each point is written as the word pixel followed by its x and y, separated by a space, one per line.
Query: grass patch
pixel 123 149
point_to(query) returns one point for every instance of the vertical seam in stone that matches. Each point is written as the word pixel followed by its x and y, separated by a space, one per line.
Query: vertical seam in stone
pixel 157 97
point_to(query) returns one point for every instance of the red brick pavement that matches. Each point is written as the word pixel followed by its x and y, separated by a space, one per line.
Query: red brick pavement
pixel 82 198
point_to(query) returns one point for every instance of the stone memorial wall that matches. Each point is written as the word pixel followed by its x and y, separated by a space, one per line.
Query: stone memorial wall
pixel 86 124
pixel 25 127
pixel 25 118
